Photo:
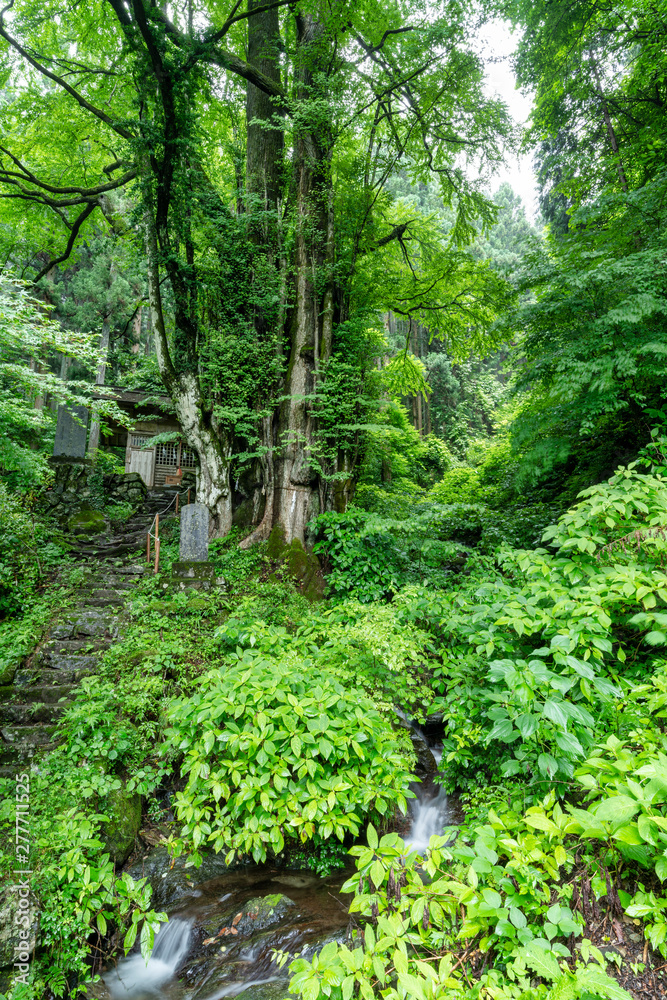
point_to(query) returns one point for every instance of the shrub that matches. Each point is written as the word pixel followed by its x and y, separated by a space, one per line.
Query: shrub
pixel 459 485
pixel 27 550
pixel 275 753
pixel 363 556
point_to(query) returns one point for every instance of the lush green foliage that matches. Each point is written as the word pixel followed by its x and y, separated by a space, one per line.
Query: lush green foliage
pixel 492 887
pixel 273 752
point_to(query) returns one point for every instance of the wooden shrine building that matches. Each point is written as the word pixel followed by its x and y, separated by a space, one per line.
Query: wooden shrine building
pixel 165 463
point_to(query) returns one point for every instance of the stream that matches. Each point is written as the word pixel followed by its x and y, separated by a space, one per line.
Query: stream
pixel 225 922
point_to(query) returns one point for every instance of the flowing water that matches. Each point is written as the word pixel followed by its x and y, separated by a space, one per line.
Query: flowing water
pixel 136 978
pixel 201 954
pixel 432 811
pixel 211 949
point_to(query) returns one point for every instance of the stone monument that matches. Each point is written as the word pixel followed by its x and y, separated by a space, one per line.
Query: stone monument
pixel 194 533
pixel 70 433
pixel 194 569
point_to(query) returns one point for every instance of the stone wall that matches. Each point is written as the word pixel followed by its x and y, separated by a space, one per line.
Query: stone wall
pixel 79 482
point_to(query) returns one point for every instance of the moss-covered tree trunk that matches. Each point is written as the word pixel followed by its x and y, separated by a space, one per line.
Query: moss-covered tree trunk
pixel 212 446
pixel 291 482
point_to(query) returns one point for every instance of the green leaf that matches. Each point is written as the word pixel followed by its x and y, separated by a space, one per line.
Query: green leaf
pixel 377 873
pixel 599 984
pixel 547 764
pixel 553 710
pixel 130 938
pixel 527 724
pixel 540 961
pixel 616 809
pixel 147 939
pixel 570 744
pixel 504 731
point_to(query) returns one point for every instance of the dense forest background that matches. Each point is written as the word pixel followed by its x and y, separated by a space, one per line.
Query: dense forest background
pixel 430 434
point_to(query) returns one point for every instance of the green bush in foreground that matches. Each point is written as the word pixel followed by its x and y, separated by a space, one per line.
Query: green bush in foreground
pixel 275 751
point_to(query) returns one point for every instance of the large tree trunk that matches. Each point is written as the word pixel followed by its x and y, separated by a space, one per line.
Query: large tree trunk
pixel 265 139
pixel 295 490
pixel 290 483
pixel 214 453
pixel 213 450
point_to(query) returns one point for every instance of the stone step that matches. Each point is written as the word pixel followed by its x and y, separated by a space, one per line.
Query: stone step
pixel 131 570
pixel 93 622
pixel 58 662
pixel 107 552
pixel 47 693
pixel 26 715
pixel 106 602
pixel 22 738
pixel 27 677
pixel 107 578
pixel 102 591
pixel 69 647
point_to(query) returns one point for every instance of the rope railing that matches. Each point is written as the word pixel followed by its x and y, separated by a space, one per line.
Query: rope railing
pixel 156 524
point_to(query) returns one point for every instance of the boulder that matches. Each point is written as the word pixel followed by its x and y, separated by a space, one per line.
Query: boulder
pixel 86 521
pixel 258 914
pixel 272 989
pixel 171 880
pixel 426 764
pixel 229 927
pixel 119 832
pixel 276 545
pixel 302 566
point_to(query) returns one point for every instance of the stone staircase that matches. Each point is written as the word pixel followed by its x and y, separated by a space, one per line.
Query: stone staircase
pixel 133 533
pixel 71 650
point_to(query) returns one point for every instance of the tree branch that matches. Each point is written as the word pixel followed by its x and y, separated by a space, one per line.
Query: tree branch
pixel 90 207
pixel 79 98
pixel 233 18
pixel 206 51
pixel 27 175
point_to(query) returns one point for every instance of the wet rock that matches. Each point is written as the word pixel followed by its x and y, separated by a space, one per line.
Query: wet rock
pixel 257 915
pixel 170 884
pixel 272 989
pixel 120 831
pixel 13 935
pixel 426 764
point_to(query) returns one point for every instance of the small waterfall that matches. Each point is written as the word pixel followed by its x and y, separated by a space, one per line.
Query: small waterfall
pixel 134 978
pixel 431 810
pixel 430 815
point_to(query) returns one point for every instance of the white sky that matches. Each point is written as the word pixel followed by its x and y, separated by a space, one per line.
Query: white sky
pixel 496 46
